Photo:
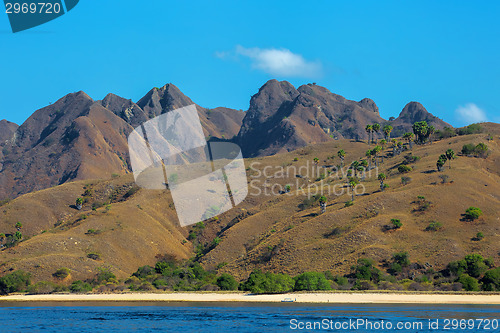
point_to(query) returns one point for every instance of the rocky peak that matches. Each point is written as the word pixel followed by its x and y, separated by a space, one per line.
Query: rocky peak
pixel 369 104
pixel 160 100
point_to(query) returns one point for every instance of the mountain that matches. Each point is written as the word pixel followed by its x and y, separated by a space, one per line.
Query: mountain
pixel 7 130
pixel 412 113
pixel 74 138
pixel 281 118
pixel 78 138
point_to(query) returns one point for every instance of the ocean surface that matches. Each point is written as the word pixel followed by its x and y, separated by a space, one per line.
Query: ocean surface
pixel 237 317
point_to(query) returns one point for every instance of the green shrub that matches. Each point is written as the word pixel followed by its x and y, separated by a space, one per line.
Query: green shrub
pixel 401 258
pixel 61 273
pixel 80 287
pixel 260 283
pixel 471 129
pixel 404 168
pixel 349 203
pixel 468 282
pixel 311 281
pixel 227 282
pixel 473 213
pixel 491 280
pixel 15 282
pixel 405 180
pixel 43 287
pixel 396 223
pixel 365 270
pixel 479 236
pixel 145 271
pixel 434 226
pixel 468 149
pixel 104 274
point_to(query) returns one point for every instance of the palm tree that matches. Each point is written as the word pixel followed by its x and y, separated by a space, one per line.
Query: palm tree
pixel 400 147
pixel 431 131
pixel 369 158
pixel 376 128
pixel 441 162
pixel 19 226
pixel 394 145
pixel 383 142
pixel 79 203
pixel 354 166
pixel 450 155
pixel 322 204
pixel 352 185
pixel 341 154
pixel 369 129
pixel 382 177
pixel 408 136
pixel 387 131
pixel 421 130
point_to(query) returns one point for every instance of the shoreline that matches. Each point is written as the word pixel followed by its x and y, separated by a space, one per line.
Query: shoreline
pixel 301 298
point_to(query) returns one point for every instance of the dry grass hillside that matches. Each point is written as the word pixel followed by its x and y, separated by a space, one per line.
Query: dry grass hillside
pixel 130 227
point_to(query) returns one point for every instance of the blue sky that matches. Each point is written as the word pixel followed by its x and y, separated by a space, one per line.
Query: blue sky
pixel 444 55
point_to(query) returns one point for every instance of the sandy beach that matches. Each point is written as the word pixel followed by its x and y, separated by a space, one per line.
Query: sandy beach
pixel 341 298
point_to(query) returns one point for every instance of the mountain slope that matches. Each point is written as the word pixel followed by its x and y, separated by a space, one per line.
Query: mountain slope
pixel 269 230
pixel 78 138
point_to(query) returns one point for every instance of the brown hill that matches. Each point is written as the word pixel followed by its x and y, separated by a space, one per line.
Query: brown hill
pixel 275 232
pixel 279 236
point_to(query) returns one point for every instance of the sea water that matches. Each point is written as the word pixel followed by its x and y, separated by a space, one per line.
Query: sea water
pixel 244 317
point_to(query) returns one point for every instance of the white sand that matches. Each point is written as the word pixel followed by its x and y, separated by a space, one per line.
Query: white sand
pixel 242 297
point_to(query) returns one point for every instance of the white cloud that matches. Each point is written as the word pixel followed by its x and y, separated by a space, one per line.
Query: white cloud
pixel 471 113
pixel 280 62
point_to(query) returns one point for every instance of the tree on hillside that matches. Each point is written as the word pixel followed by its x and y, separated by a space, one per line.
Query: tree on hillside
pixel 394 146
pixel 430 132
pixel 369 158
pixel 376 129
pixel 383 142
pixel 341 154
pixel 79 203
pixel 375 152
pixel 387 131
pixel 409 137
pixel 421 131
pixel 441 162
pixel 369 130
pixel 354 167
pixel 450 155
pixel 19 226
pixel 481 150
pixel 382 177
pixel 352 184
pixel 316 160
pixel 322 204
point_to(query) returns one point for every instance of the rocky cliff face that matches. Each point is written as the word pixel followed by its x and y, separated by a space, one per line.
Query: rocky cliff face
pixel 78 138
pixel 282 118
